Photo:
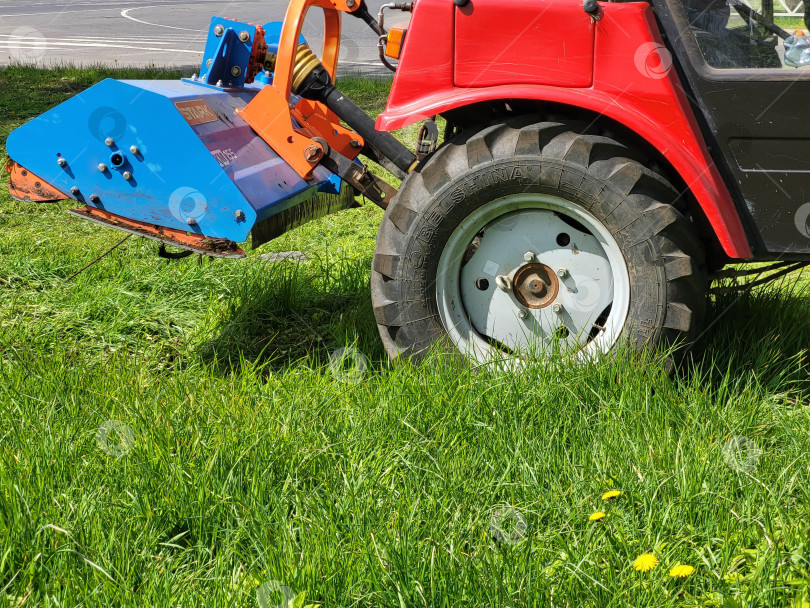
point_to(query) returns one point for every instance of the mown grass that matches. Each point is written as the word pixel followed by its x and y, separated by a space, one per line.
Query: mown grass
pixel 249 461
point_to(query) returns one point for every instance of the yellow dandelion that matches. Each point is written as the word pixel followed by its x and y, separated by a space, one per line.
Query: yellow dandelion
pixel 645 562
pixel 681 571
pixel 611 494
pixel 596 516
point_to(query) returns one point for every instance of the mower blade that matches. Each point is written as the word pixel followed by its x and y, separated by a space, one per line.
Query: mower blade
pixel 218 248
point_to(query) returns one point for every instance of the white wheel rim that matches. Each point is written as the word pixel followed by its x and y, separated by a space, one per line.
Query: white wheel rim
pixel 485 323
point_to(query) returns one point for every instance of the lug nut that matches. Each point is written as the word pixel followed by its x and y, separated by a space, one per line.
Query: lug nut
pixel 312 153
pixel 74 191
pixel 191 221
pixel 503 282
pixel 102 167
pixel 110 142
pixel 244 36
pixel 562 273
pixel 127 175
pixel 219 30
pixel 350 3
pixel 235 71
pixel 355 144
pixel 94 198
pixel 556 307
pixel 528 256
pixel 134 150
pixel 61 162
pixel 219 83
pixel 523 314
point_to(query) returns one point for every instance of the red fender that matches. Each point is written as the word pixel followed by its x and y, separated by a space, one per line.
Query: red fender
pixel 551 50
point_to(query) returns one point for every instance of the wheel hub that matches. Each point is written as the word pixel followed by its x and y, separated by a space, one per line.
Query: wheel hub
pixel 560 281
pixel 535 285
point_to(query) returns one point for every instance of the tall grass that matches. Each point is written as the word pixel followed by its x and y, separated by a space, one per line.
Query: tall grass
pixel 242 458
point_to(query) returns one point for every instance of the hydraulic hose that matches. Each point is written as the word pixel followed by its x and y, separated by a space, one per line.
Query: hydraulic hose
pixel 312 81
pixel 362 13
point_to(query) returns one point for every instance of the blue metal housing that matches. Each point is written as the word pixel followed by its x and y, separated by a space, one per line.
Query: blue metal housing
pixel 170 153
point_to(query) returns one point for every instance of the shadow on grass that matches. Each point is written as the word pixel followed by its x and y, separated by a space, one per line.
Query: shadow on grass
pixel 290 311
pixel 762 335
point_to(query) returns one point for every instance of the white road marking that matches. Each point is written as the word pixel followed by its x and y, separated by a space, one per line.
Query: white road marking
pixel 12 38
pixel 71 3
pixel 56 14
pixel 16 44
pixel 125 15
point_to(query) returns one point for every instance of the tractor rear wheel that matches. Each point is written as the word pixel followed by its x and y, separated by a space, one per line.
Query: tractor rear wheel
pixel 532 237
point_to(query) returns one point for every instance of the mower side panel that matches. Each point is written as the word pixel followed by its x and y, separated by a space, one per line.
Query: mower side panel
pixel 631 85
pixel 198 167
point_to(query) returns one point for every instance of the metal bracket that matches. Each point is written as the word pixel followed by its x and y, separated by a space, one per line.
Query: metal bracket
pixel 426 139
pixel 218 72
pixel 273 122
pixel 358 176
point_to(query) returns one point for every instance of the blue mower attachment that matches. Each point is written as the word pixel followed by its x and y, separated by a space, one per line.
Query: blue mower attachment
pixel 175 161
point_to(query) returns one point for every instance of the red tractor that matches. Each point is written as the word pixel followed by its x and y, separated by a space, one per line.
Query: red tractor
pixel 599 165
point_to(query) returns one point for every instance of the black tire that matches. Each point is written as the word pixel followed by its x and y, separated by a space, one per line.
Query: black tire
pixel 665 260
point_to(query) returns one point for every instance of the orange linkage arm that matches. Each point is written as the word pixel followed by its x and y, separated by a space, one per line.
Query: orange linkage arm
pixel 269 113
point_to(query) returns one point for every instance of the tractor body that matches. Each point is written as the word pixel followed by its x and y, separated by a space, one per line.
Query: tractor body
pixel 738 137
pixel 633 139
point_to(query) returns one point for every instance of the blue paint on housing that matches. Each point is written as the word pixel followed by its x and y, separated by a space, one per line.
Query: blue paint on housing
pixel 208 171
pixel 193 163
pixel 272 34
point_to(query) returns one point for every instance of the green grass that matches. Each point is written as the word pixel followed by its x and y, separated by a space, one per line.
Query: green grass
pixel 249 461
pixel 790 23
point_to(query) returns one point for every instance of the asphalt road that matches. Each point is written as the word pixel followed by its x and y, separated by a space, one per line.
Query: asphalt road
pixel 156 32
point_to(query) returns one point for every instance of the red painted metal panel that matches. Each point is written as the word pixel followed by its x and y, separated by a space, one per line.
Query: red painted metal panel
pixel 632 84
pixel 490 35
